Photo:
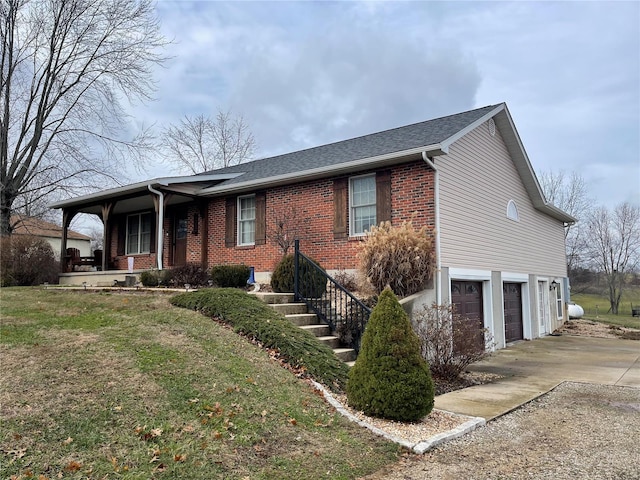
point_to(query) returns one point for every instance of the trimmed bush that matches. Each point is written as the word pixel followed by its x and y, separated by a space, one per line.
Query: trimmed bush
pixel 399 257
pixel 312 283
pixel 390 379
pixel 27 260
pixel 156 278
pixel 254 318
pixel 190 273
pixel 230 275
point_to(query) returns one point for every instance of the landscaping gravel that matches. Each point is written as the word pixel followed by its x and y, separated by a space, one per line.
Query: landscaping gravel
pixel 576 431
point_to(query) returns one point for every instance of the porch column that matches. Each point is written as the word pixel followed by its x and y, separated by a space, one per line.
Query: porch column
pixel 67 216
pixel 107 209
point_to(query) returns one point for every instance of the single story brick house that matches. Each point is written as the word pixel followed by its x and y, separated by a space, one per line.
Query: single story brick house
pixel 499 245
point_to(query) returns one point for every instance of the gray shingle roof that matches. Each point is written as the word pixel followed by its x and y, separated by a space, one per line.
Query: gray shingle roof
pixel 389 141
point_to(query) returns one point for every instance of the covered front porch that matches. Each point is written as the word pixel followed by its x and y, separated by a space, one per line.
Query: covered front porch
pixel 145 226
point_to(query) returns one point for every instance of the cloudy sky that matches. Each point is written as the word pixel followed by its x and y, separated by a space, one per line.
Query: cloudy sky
pixel 306 73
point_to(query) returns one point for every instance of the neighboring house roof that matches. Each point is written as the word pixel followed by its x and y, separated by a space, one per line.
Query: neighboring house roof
pixel 41 228
pixel 433 138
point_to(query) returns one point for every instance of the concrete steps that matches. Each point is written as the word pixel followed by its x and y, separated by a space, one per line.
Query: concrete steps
pixel 297 313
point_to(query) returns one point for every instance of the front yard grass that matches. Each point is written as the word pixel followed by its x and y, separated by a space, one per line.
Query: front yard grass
pixel 115 385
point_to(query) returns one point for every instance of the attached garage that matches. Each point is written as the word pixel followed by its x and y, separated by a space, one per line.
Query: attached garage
pixel 513 325
pixel 467 299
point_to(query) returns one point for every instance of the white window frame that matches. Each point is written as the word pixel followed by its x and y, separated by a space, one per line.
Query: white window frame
pixel 512 211
pixel 353 207
pixel 139 250
pixel 559 302
pixel 246 221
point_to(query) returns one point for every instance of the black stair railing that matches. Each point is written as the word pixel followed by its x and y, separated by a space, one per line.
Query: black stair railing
pixel 334 305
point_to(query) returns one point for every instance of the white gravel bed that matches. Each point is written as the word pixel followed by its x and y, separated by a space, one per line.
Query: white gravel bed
pixel 576 431
pixel 435 428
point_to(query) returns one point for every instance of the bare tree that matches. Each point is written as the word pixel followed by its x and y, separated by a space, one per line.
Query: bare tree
pixel 199 144
pixel 67 67
pixel 614 246
pixel 570 194
pixel 288 226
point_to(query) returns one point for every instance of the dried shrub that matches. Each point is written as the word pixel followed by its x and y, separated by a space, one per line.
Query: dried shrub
pixel 448 341
pixel 190 273
pixel 235 276
pixel 27 260
pixel 348 280
pixel 390 379
pixel 399 257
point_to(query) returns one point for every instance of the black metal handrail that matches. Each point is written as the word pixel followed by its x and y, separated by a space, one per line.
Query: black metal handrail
pixel 334 305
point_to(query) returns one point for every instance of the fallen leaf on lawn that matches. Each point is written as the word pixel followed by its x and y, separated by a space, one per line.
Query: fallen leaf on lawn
pixel 118 408
pixel 179 458
pixel 293 421
pixel 194 400
pixel 264 413
pixel 73 466
pixel 156 432
pixel 68 441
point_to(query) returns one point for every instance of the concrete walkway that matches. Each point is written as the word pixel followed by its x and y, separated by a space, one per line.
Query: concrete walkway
pixel 532 368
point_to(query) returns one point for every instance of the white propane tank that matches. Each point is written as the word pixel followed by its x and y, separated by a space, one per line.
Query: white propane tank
pixel 575 310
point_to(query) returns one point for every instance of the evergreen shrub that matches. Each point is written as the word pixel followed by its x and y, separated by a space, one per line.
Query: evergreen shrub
pixel 156 278
pixel 312 283
pixel 234 276
pixel 390 379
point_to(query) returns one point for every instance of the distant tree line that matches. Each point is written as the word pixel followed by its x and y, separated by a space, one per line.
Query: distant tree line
pixel 603 247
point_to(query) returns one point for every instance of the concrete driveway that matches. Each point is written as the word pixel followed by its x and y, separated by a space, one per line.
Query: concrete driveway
pixel 532 368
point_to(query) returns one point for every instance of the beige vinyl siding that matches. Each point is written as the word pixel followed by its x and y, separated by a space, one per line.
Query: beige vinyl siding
pixel 477 180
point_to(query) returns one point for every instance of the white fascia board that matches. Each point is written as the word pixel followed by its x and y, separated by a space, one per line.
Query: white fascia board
pixel 458 135
pixel 140 187
pixel 319 172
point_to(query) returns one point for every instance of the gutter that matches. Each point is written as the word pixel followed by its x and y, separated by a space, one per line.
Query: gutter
pixel 160 234
pixel 429 161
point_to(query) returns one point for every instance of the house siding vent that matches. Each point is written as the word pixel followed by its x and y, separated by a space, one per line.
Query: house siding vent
pixel 492 127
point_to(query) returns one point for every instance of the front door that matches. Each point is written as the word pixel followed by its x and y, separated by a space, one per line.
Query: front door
pixel 180 238
pixel 512 293
pixel 467 299
pixel 543 307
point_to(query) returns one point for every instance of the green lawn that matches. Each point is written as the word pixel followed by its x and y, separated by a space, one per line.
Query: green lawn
pixel 115 385
pixel 596 308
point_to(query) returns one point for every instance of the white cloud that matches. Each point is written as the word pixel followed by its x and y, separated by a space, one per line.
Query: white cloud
pixel 307 73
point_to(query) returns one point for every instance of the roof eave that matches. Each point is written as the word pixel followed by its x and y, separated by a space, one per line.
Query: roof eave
pixel 141 187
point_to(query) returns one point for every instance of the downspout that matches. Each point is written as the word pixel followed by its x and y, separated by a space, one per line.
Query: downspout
pixel 160 234
pixel 429 161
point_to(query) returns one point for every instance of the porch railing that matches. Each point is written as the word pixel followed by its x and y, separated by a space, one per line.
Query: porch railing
pixel 334 305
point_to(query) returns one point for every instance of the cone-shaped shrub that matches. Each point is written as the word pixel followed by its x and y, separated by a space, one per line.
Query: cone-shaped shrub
pixel 390 379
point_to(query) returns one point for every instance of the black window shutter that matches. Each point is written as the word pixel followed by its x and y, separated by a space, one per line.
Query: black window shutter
pixel 121 222
pixel 340 191
pixel 261 218
pixel 383 196
pixel 230 222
